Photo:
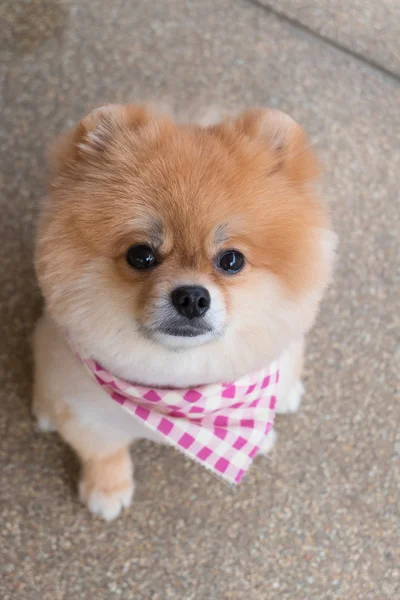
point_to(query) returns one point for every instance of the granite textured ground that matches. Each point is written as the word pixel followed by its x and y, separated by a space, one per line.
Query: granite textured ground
pixel 320 518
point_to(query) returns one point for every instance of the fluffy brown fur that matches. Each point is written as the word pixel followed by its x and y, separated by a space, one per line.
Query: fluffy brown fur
pixel 124 176
pixel 250 176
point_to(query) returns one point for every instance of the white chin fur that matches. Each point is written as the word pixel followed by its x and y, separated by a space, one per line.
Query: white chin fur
pixel 176 342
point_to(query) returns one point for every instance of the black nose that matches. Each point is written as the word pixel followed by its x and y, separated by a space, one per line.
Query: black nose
pixel 191 300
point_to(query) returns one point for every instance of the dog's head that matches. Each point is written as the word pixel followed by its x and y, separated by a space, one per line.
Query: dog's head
pixel 158 238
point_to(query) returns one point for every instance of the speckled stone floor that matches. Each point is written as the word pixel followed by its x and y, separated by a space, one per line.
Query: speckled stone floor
pixel 320 518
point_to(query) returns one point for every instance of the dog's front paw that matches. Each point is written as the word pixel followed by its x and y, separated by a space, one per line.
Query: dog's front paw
pixel 291 402
pixel 268 442
pixel 107 486
pixel 106 503
pixel 44 424
pixel 42 421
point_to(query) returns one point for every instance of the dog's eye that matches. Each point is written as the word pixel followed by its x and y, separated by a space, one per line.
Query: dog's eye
pixel 141 257
pixel 231 261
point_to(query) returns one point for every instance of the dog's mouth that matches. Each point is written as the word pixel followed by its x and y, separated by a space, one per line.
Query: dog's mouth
pixel 189 331
pixel 180 336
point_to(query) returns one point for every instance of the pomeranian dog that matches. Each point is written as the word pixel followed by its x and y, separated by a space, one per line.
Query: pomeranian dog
pixel 175 256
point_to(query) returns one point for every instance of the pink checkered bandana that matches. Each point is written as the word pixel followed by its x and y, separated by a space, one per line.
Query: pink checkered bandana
pixel 221 426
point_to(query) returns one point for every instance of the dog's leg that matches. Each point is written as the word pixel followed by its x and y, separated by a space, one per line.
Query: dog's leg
pixel 43 421
pixel 41 407
pixel 290 403
pixel 291 387
pixel 268 442
pixel 106 483
pixel 67 399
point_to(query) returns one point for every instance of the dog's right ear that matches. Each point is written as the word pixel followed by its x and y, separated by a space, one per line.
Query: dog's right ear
pixel 92 135
pixel 287 142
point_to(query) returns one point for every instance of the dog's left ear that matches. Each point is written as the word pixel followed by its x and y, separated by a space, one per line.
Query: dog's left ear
pixel 286 140
pixel 94 133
